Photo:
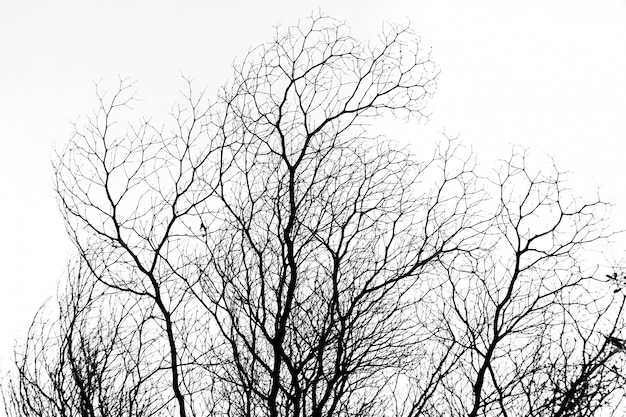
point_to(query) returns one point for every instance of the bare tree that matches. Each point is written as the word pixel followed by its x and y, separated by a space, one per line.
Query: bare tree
pixel 131 200
pixel 88 361
pixel 325 237
pixel 265 256
pixel 531 319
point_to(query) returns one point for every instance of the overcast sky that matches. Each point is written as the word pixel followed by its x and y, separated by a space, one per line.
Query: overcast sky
pixel 547 75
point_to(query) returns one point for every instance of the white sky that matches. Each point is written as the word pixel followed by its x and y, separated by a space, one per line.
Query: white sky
pixel 547 75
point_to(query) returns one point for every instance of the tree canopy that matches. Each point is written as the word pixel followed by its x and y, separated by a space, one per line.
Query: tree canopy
pixel 262 255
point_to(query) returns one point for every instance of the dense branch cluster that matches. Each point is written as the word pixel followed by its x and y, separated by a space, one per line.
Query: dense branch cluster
pixel 264 256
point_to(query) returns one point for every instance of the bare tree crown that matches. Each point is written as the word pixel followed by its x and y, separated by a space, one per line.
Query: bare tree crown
pixel 262 255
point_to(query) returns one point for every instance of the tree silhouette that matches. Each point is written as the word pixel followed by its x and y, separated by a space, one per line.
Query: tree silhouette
pixel 266 256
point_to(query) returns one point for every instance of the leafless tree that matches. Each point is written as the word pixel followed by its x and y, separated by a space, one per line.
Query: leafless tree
pixel 531 319
pixel 88 361
pixel 132 200
pixel 265 256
